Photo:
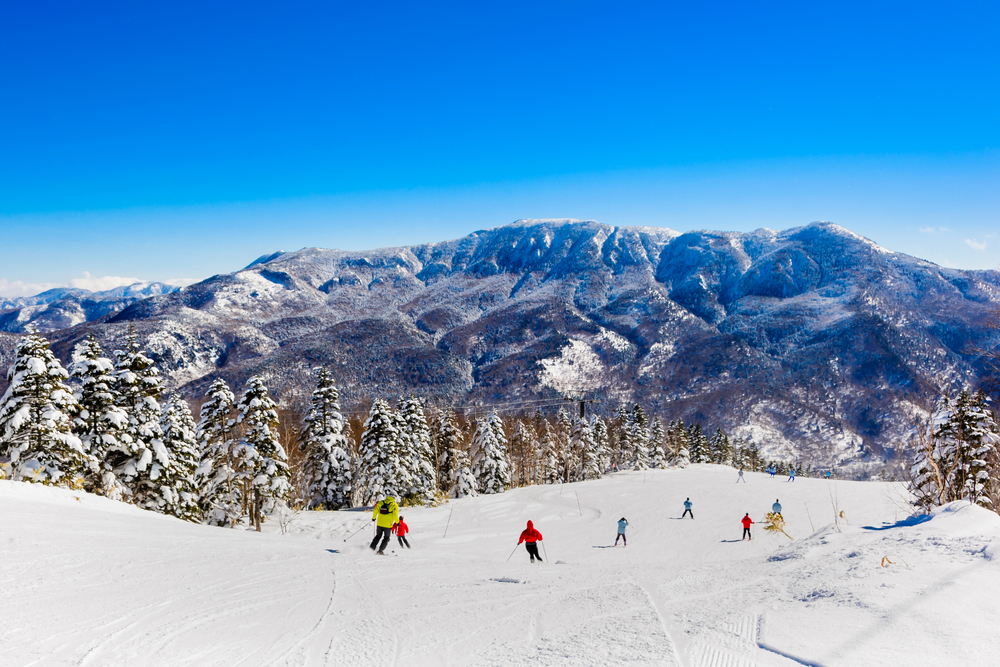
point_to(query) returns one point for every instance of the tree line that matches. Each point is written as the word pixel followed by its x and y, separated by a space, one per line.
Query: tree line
pixel 100 426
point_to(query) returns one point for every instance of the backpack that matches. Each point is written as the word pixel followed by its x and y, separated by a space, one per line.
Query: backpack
pixel 384 508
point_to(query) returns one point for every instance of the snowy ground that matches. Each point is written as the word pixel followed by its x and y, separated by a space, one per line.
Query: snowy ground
pixel 87 581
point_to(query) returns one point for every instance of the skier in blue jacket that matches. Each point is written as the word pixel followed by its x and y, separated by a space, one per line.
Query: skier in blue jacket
pixel 622 525
pixel 776 507
pixel 687 509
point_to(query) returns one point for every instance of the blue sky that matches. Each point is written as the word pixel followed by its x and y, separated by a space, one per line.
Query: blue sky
pixel 181 140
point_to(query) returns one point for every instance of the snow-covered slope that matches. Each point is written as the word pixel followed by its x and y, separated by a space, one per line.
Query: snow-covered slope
pixel 815 341
pixel 91 582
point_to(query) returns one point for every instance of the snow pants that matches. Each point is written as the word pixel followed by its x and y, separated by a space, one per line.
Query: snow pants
pixel 383 532
pixel 746 534
pixel 686 512
pixel 402 541
pixel 532 548
pixel 621 535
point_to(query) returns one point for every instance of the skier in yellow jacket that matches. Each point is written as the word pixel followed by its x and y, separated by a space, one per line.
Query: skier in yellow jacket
pixel 385 514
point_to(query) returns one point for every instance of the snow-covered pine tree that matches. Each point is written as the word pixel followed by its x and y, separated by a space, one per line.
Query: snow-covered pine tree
pixel 379 468
pixel 622 438
pixel 489 456
pixel 420 462
pixel 447 438
pixel 178 494
pixel 462 482
pixel 100 421
pixel 680 454
pixel 522 441
pixel 220 498
pixel 698 446
pixel 138 385
pixel 722 450
pixel 590 455
pixel 657 438
pixel 562 434
pixel 327 466
pixel 639 438
pixel 602 445
pixel 965 440
pixel 262 464
pixel 549 459
pixel 36 419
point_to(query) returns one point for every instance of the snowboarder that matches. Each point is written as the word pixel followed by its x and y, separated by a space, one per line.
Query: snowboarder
pixel 622 525
pixel 385 514
pixel 747 522
pixel 530 537
pixel 776 507
pixel 687 509
pixel 400 529
pixel 740 478
pixel 791 474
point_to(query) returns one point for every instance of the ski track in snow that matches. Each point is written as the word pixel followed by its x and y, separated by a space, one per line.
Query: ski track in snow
pixel 90 582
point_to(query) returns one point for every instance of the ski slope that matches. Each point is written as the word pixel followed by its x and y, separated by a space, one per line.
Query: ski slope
pixel 88 581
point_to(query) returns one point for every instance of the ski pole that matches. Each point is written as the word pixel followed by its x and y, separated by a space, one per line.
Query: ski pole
pixel 354 533
pixel 544 551
pixel 512 552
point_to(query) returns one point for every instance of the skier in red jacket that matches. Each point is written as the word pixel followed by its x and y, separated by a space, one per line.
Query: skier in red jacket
pixel 400 529
pixel 531 536
pixel 747 521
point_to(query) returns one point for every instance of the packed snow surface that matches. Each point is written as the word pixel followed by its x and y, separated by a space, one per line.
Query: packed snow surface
pixel 89 581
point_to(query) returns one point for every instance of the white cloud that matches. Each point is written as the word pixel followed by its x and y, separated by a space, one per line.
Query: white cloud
pixel 975 245
pixel 934 230
pixel 16 288
pixel 89 282
pixel 11 289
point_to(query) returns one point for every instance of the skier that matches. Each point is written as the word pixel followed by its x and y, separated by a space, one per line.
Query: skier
pixel 401 529
pixel 828 473
pixel 687 509
pixel 747 521
pixel 385 514
pixel 740 478
pixel 791 474
pixel 772 470
pixel 530 536
pixel 622 525
pixel 776 507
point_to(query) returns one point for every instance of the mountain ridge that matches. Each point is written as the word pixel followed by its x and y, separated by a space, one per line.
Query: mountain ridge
pixel 815 341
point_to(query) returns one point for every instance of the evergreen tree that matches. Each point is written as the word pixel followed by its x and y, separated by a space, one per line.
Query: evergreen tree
pixel 722 450
pixel 562 434
pixel 698 445
pixel 177 493
pixel 138 385
pixel 36 412
pixel 380 472
pixel 549 459
pixel 590 457
pixel 657 438
pixel 966 436
pixel 622 454
pixel 602 445
pixel 100 421
pixel 489 456
pixel 261 462
pixel 681 456
pixel 420 459
pixel 522 441
pixel 447 439
pixel 221 497
pixel 462 481
pixel 327 466
pixel 639 438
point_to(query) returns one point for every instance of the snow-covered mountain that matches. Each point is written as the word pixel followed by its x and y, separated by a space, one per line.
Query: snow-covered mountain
pixel 68 306
pixel 815 341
